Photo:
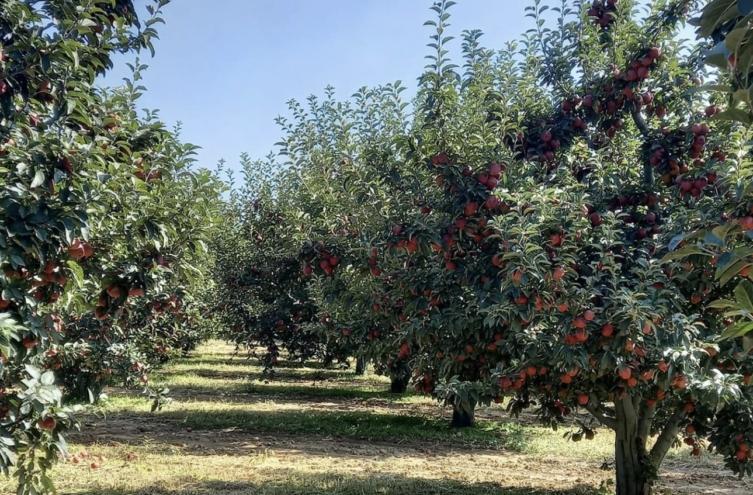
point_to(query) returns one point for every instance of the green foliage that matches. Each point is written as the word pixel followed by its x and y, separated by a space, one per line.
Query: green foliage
pixel 526 235
pixel 99 207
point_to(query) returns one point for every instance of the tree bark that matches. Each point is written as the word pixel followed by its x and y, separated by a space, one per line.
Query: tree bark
pixel 398 384
pixel 464 415
pixel 635 473
pixel 360 365
pixel 327 361
pixel 399 377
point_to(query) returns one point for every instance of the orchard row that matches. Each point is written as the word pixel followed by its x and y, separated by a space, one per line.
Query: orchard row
pixel 576 242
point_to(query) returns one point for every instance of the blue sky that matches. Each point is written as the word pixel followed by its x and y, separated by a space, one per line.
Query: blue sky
pixel 225 68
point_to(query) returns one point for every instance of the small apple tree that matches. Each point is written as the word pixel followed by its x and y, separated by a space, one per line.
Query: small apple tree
pixel 147 242
pixel 260 296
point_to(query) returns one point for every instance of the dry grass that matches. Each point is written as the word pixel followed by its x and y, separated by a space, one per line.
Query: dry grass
pixel 313 431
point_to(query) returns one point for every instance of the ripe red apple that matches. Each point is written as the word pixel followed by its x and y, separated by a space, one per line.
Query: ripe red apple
pixel 583 399
pixel 100 313
pixel 492 203
pixel 440 159
pixel 595 219
pixel 607 330
pixel 625 373
pixel 79 250
pixel 497 261
pixel 30 342
pixel 47 423
pixel 136 292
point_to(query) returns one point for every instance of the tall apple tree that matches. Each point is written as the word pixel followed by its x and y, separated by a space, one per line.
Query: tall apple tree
pixel 563 275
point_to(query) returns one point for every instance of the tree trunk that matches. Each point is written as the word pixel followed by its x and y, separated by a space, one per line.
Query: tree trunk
pixel 398 384
pixel 360 365
pixel 464 415
pixel 327 361
pixel 399 377
pixel 635 473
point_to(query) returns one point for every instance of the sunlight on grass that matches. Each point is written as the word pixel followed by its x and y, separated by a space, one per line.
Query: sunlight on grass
pixel 315 431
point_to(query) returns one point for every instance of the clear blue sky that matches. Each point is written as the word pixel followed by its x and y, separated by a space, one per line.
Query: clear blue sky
pixel 225 68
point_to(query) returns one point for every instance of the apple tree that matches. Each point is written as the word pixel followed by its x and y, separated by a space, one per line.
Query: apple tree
pixel 52 156
pixel 351 186
pixel 147 243
pixel 260 295
pixel 574 286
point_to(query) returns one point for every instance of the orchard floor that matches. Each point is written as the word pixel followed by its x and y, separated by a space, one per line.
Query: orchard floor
pixel 313 431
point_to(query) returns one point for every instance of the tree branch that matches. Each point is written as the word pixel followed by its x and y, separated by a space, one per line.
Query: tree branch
pixel 645 420
pixel 666 438
pixel 600 413
pixel 640 122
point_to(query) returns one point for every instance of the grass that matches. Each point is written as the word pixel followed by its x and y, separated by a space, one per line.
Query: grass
pixel 312 431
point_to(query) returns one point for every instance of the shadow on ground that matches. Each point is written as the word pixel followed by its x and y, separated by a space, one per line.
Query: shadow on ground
pixel 396 429
pixel 290 482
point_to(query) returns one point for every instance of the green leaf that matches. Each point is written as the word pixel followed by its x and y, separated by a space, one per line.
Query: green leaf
pixel 675 241
pixel 728 272
pixel 47 378
pixel 737 330
pixel 683 253
pixel 38 179
pixel 712 238
pixel 744 295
